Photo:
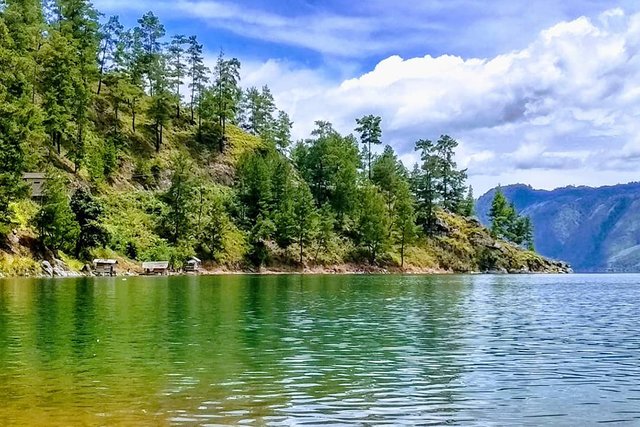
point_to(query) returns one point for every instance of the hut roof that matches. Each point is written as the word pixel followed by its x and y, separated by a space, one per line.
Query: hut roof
pixel 33 175
pixel 155 265
pixel 104 261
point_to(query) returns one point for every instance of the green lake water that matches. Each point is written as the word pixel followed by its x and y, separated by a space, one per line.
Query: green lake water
pixel 283 350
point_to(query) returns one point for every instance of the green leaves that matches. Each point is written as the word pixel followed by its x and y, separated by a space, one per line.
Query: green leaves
pixel 370 134
pixel 438 183
pixel 55 221
pixel 373 221
pixel 507 224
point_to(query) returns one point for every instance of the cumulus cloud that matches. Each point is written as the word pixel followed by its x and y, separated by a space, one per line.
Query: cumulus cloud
pixel 565 102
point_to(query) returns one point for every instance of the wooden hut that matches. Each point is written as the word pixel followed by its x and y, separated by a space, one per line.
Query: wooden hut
pixel 192 265
pixel 35 180
pixel 155 268
pixel 104 267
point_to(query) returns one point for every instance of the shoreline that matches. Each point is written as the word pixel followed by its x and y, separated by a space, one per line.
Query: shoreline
pixel 307 271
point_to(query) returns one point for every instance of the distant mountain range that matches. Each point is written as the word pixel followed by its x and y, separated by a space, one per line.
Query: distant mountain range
pixel 593 229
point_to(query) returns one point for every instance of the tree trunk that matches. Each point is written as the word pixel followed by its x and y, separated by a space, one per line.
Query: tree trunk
pixel 158 136
pixel 178 96
pixel 402 252
pixel 369 153
pixel 301 249
pixel 191 103
pixel 104 52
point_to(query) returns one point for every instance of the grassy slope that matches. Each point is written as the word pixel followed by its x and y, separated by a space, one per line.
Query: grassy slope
pixel 463 244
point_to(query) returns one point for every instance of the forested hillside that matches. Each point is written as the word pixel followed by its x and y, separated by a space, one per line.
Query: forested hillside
pixel 595 229
pixel 150 155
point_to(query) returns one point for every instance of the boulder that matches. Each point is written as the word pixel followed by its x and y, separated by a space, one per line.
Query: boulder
pixel 47 268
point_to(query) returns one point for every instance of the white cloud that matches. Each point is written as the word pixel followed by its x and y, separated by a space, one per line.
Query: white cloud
pixel 556 105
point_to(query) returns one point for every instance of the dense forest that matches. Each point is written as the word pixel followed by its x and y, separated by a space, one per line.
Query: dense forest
pixel 149 154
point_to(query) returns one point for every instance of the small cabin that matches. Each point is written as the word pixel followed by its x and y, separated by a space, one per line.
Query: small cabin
pixel 104 267
pixel 155 268
pixel 192 265
pixel 35 180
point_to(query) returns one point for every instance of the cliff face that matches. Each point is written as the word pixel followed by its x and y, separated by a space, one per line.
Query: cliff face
pixel 594 229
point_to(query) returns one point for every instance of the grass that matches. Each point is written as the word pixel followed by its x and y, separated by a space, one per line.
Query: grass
pixel 18 265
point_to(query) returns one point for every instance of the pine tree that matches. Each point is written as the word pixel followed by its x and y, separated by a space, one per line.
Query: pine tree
pixel 160 106
pixel 110 34
pixel 325 234
pixel 329 164
pixel 373 222
pixel 501 215
pixel 88 213
pixel 148 47
pixel 176 58
pixel 180 197
pixel 450 181
pixel 25 24
pixel 57 87
pixel 198 74
pixel 404 218
pixel 282 131
pixel 227 92
pixel 424 182
pixel 257 111
pixel 467 207
pixel 370 133
pixel 55 221
pixel 305 218
pixel 387 173
pixel 19 121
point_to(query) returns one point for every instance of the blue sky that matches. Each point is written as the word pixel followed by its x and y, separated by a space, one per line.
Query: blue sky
pixel 541 92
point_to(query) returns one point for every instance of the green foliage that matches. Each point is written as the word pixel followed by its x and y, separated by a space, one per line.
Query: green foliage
pixel 18 265
pixel 24 212
pixel 180 199
pixel 171 186
pixel 329 163
pixel 467 206
pixel 423 181
pixel 373 222
pixel 56 223
pixel 131 220
pixel 404 218
pixel 507 224
pixel 197 73
pixel 218 238
pixel 282 131
pixel 305 217
pixel 88 213
pixel 256 113
pixel 500 214
pixel 438 183
pixel 225 95
pixel 370 133
pixel 17 123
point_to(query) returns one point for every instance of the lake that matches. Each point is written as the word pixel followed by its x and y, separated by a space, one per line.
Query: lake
pixel 282 350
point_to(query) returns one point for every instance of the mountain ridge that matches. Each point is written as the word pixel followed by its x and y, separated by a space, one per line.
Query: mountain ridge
pixel 595 229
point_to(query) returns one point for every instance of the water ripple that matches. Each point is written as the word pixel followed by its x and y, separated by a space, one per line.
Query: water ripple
pixel 352 350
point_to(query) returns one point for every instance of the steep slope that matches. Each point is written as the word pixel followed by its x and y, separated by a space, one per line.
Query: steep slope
pixel 594 229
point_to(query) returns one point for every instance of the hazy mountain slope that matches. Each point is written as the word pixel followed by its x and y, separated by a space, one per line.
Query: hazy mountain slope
pixel 594 229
